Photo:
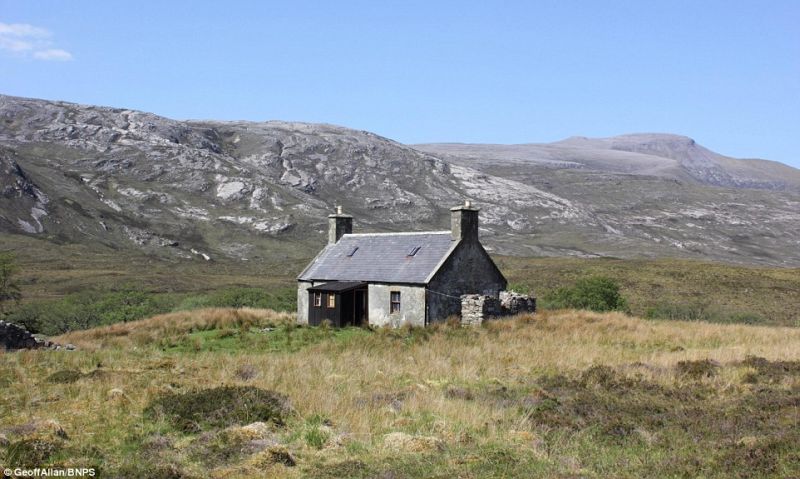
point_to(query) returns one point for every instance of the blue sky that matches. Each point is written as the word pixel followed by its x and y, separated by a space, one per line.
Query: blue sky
pixel 726 73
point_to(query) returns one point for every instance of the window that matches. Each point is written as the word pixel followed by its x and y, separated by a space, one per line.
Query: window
pixel 394 302
pixel 353 251
pixel 331 300
pixel 317 300
pixel 413 251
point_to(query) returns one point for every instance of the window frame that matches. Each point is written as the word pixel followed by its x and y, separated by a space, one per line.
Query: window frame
pixel 331 303
pixel 317 299
pixel 395 306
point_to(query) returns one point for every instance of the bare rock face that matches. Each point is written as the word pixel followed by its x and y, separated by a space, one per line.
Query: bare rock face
pixel 25 203
pixel 208 191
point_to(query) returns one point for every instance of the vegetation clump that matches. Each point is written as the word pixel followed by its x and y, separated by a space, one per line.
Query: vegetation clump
pixel 92 308
pixel 770 371
pixel 703 368
pixel 220 407
pixel 9 288
pixel 596 293
pixel 65 376
pixel 31 452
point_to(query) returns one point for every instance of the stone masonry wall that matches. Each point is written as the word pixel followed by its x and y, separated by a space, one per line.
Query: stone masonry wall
pixel 476 308
pixel 516 303
pixel 13 337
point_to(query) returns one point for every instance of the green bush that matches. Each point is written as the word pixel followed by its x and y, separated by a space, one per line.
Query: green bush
pixel 89 309
pixel 597 293
pixel 699 311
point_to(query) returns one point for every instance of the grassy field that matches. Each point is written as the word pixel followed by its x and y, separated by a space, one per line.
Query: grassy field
pixel 245 393
pixel 57 280
pixel 674 289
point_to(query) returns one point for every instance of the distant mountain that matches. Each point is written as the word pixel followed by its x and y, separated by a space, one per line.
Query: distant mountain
pixel 661 155
pixel 134 181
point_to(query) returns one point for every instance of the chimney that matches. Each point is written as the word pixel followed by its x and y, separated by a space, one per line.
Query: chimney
pixel 339 224
pixel 464 222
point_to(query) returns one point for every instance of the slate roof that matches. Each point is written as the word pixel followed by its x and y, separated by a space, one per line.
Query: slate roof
pixel 381 257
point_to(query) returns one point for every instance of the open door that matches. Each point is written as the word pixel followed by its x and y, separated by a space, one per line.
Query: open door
pixel 360 307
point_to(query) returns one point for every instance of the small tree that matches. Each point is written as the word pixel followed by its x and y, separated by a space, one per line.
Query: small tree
pixel 9 289
pixel 597 293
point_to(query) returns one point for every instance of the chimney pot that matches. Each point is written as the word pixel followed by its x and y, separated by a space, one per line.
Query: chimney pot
pixel 464 222
pixel 339 224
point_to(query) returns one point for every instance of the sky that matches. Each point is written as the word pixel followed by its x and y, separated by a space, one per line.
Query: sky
pixel 726 73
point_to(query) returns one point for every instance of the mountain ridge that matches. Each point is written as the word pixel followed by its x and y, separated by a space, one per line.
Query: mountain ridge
pixel 242 190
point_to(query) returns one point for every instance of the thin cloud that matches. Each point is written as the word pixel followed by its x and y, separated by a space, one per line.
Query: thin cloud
pixel 55 54
pixel 29 41
pixel 23 30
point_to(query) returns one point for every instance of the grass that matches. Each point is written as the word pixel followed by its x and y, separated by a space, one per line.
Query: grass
pixel 673 289
pixel 94 308
pixel 559 394
pixel 61 283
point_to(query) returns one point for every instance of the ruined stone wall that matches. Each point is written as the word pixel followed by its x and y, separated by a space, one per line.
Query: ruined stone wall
pixel 516 303
pixel 13 337
pixel 475 308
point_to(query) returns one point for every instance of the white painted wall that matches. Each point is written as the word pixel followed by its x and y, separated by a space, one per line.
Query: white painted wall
pixel 412 305
pixel 302 301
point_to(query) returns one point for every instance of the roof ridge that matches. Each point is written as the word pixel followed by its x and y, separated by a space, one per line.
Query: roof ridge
pixel 404 233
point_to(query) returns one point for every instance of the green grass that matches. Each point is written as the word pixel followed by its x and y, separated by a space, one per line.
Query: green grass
pixel 68 287
pixel 284 338
pixel 673 289
pixel 94 308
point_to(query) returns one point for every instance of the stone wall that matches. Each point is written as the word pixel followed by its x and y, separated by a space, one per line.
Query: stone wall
pixel 476 308
pixel 516 303
pixel 13 337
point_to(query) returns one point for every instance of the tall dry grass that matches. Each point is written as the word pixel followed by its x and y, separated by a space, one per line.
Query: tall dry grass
pixel 339 382
pixel 376 383
pixel 145 331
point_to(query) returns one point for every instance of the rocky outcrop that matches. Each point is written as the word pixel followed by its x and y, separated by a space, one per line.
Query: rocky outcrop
pixel 13 337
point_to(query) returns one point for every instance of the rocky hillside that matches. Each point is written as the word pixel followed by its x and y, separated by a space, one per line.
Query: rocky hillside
pixel 135 181
pixel 658 155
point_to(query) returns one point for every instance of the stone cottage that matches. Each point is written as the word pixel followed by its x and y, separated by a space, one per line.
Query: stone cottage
pixel 414 278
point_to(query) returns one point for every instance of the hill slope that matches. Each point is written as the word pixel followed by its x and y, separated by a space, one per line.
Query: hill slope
pixel 136 182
